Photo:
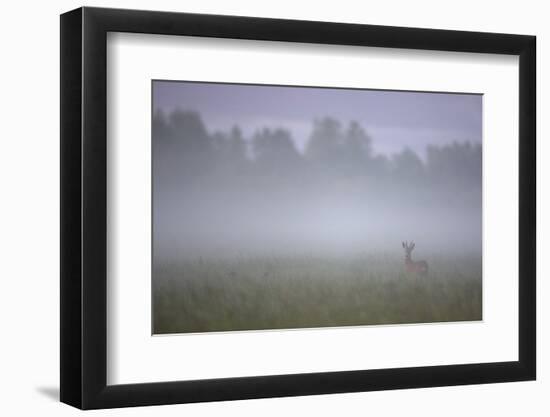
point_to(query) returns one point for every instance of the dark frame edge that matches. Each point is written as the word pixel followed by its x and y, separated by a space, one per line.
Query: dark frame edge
pixel 70 216
pixel 276 386
pixel 528 207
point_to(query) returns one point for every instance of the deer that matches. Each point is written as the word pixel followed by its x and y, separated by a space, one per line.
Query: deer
pixel 413 267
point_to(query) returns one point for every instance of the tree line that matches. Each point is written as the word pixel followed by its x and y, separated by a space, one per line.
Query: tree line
pixel 187 151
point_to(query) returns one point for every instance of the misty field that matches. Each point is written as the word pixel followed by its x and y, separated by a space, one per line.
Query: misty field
pixel 255 293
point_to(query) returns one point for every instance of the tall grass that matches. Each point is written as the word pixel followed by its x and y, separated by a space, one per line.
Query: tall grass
pixel 203 295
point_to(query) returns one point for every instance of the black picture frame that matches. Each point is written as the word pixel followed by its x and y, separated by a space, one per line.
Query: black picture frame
pixel 84 207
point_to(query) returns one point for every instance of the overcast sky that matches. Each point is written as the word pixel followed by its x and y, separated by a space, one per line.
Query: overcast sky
pixel 393 119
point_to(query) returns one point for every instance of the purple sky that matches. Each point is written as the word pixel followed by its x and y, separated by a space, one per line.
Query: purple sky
pixel 393 119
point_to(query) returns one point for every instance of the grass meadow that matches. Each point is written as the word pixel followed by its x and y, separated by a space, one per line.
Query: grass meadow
pixel 288 292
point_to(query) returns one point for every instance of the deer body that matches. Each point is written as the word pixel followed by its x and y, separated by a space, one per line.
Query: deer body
pixel 413 267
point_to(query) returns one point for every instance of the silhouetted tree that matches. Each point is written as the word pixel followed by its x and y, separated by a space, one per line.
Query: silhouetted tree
pixel 356 151
pixel 407 165
pixel 183 151
pixel 190 132
pixel 231 151
pixel 325 140
pixel 337 152
pixel 456 163
pixel 274 150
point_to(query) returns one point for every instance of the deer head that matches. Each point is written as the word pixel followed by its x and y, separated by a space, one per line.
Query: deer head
pixel 408 248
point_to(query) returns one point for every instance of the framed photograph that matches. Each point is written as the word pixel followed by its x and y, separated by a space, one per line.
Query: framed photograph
pixel 257 208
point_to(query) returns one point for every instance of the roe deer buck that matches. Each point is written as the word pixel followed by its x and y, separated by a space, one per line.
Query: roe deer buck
pixel 417 267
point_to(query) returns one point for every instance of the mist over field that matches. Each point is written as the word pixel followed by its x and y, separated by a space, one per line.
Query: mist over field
pixel 270 227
